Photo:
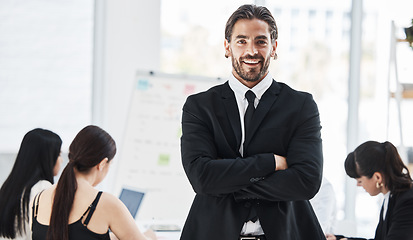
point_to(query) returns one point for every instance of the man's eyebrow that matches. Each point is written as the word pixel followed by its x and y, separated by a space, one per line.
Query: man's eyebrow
pixel 261 37
pixel 256 38
pixel 241 36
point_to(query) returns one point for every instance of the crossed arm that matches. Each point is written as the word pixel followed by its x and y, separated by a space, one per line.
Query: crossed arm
pixel 267 176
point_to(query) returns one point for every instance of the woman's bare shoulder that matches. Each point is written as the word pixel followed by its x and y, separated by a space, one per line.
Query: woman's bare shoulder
pixel 109 200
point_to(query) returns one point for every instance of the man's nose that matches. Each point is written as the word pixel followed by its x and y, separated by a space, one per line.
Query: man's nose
pixel 252 50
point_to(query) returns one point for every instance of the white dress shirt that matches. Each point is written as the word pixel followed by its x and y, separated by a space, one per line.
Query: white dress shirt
pixel 385 203
pixel 324 205
pixel 249 228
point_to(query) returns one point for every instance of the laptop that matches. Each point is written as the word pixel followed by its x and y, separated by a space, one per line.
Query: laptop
pixel 132 200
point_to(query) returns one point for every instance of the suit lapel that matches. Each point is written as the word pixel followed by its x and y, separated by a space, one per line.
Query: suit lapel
pixel 264 106
pixel 231 107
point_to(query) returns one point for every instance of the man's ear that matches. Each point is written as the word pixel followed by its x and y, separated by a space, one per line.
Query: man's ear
pixel 227 48
pixel 102 164
pixel 273 50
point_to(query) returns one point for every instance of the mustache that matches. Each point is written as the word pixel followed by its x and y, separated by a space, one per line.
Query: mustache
pixel 252 57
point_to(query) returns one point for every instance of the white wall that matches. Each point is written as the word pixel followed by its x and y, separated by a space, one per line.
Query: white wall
pixel 127 39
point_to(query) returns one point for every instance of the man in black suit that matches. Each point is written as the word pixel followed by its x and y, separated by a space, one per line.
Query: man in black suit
pixel 252 176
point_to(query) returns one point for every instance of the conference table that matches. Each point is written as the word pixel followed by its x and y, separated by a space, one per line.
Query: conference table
pixel 164 229
pixel 168 235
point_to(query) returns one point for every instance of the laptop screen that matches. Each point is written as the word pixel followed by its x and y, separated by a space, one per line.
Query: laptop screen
pixel 132 200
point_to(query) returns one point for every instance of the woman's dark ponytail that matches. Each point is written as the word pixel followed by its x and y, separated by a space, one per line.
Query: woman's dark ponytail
pixel 62 204
pixel 90 146
pixel 396 172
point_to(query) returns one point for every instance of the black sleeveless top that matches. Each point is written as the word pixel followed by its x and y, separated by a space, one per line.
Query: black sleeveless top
pixel 77 230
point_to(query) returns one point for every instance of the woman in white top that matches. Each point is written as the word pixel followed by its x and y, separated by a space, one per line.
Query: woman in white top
pixel 38 161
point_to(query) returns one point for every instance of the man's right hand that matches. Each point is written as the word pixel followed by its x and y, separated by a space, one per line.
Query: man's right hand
pixel 280 162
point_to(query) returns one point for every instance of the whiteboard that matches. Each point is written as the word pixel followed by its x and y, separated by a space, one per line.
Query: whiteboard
pixel 150 157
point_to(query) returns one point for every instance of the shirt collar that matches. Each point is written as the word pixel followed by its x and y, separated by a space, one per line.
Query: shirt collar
pixel 259 89
pixel 385 203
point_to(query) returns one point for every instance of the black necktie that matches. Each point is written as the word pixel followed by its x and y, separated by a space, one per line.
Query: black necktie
pixel 247 121
pixel 249 112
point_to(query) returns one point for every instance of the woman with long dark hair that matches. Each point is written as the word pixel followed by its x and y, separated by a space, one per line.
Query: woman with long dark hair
pixel 73 209
pixel 378 168
pixel 38 161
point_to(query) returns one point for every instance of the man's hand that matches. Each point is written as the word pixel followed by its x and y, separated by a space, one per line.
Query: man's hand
pixel 280 163
pixel 333 237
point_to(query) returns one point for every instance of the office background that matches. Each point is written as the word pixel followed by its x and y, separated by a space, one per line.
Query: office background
pixel 66 64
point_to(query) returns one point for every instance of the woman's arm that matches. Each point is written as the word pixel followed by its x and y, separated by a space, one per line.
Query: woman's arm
pixel 121 222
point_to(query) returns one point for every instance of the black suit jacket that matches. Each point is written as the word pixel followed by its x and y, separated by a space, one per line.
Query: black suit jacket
pixel 398 223
pixel 286 122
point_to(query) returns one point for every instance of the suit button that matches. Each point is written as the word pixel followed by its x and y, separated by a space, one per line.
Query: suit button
pixel 253 180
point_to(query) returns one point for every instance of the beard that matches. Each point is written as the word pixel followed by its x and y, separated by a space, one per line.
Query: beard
pixel 253 74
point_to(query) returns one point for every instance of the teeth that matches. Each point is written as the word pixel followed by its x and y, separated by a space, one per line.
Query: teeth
pixel 251 61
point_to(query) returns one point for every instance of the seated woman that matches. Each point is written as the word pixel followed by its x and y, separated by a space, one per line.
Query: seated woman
pixel 74 209
pixel 378 168
pixel 38 161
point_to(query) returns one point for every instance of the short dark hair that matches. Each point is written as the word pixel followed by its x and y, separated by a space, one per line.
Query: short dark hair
pixel 250 11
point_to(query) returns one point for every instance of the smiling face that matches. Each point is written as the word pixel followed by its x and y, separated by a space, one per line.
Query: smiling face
pixel 250 50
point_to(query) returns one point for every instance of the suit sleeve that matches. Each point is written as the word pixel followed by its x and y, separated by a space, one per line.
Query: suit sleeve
pixel 302 179
pixel 207 172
